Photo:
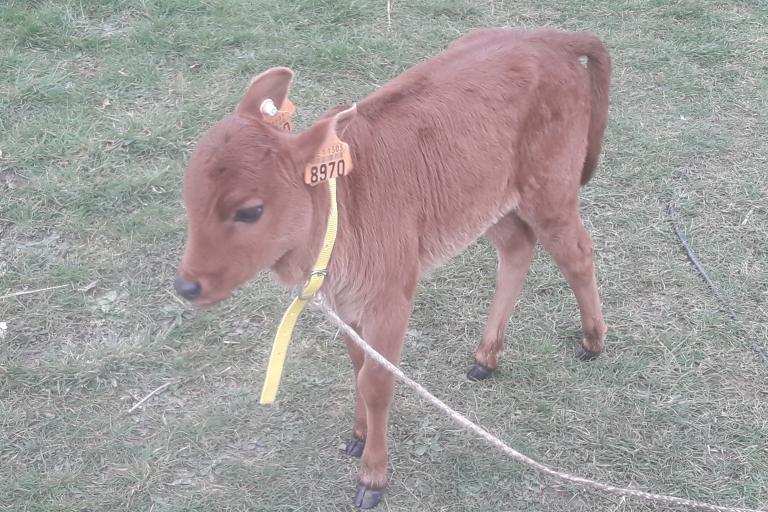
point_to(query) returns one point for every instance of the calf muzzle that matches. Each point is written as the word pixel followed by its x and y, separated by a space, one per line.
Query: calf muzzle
pixel 190 290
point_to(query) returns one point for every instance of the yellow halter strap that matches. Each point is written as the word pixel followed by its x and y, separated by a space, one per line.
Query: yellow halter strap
pixel 311 287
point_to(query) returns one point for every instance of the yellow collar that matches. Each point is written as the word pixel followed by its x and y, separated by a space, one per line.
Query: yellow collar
pixel 311 287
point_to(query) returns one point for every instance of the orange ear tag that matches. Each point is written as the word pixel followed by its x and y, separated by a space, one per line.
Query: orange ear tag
pixel 333 160
pixel 280 119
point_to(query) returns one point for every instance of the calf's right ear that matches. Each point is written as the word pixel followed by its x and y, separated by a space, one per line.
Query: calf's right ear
pixel 305 145
pixel 273 84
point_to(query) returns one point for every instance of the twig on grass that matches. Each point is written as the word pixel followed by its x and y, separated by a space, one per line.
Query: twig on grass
pixel 389 15
pixel 29 292
pixel 153 393
pixel 693 259
pixel 761 354
pixel 703 273
pixel 176 298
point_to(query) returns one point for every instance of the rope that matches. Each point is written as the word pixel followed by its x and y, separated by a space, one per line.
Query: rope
pixel 503 447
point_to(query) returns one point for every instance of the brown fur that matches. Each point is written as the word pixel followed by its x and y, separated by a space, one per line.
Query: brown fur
pixel 494 136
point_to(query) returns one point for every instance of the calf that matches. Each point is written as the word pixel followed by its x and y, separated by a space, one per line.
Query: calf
pixel 492 137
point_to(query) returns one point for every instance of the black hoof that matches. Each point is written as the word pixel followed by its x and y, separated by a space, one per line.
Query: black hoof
pixel 367 498
pixel 479 372
pixel 583 354
pixel 355 447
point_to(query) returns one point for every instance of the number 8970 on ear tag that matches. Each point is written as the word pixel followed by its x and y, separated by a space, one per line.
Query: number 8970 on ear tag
pixel 333 160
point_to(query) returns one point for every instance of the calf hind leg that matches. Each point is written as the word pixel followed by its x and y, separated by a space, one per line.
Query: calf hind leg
pixel 515 244
pixel 571 247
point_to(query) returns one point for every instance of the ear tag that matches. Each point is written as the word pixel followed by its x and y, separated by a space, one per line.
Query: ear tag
pixel 332 160
pixel 280 119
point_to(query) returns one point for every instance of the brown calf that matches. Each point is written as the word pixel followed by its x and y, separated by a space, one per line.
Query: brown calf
pixel 492 137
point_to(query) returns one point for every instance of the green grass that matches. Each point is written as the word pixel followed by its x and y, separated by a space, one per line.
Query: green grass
pixel 100 105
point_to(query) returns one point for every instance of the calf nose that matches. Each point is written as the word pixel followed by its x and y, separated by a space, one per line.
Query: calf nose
pixel 190 290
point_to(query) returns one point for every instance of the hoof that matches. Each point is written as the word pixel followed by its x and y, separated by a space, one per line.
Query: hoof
pixel 355 447
pixel 479 372
pixel 583 354
pixel 367 498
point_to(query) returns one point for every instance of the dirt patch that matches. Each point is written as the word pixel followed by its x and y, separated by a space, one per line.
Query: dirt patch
pixel 10 180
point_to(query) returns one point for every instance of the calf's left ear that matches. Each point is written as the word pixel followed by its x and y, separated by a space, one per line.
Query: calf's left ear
pixel 273 84
pixel 305 145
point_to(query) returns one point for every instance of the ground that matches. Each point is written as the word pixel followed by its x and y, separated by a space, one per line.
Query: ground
pixel 100 105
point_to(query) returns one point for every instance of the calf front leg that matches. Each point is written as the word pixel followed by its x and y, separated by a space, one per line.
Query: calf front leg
pixel 355 445
pixel 384 331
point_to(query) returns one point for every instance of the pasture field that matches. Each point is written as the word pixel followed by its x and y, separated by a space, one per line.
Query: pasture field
pixel 101 102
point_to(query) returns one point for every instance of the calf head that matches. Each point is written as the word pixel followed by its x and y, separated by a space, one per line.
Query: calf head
pixel 246 201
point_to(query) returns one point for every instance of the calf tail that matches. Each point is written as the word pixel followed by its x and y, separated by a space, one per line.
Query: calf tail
pixel 599 68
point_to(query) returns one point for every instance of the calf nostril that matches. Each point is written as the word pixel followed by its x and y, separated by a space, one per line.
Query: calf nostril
pixel 190 290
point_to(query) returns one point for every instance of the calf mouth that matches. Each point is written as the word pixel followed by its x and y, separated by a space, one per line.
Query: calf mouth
pixel 199 294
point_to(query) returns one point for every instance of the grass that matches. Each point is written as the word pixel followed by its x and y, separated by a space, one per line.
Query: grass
pixel 100 104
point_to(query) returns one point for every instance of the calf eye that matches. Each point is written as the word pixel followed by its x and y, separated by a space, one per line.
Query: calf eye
pixel 248 215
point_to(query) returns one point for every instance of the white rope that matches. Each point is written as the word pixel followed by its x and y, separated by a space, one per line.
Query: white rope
pixel 493 440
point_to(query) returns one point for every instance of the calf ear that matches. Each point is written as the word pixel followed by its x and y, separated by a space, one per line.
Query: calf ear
pixel 344 117
pixel 272 84
pixel 343 114
pixel 309 142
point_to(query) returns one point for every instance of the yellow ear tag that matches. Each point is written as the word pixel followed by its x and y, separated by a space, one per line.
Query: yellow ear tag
pixel 280 119
pixel 333 160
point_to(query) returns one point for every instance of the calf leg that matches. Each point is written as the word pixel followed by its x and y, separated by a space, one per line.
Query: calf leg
pixel 355 445
pixel 571 247
pixel 384 331
pixel 515 244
